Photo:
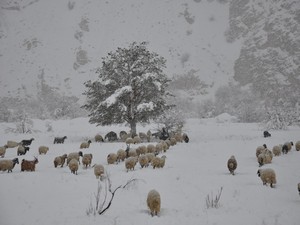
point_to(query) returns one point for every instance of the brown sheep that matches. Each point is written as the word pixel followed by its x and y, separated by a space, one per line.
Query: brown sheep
pixel 29 165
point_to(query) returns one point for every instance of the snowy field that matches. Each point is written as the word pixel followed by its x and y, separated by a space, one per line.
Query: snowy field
pixel 192 171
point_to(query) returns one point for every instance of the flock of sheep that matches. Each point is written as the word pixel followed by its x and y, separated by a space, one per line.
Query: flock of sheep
pixel 265 156
pixel 143 149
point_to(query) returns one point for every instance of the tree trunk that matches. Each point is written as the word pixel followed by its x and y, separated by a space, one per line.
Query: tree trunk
pixel 133 128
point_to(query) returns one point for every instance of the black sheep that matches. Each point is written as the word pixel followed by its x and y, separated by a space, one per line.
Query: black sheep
pixel 111 136
pixel 267 134
pixel 27 142
pixel 59 140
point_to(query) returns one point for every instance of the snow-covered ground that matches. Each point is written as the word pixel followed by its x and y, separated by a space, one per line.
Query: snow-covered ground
pixel 193 170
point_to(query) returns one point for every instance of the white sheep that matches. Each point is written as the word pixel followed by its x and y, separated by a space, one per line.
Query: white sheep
pixel 232 164
pixel 260 149
pixel 3 151
pixel 164 145
pixel 60 160
pixel 158 162
pixel 98 138
pixel 277 150
pixel 150 156
pixel 267 176
pixel 7 164
pixel 87 160
pixel 286 147
pixel 143 160
pixel 85 144
pixel 178 137
pixel 73 165
pixel 297 146
pixel 98 171
pixel 141 150
pixel 173 141
pixel 132 153
pixel 137 140
pixel 74 155
pixel 12 144
pixel 130 163
pixel 43 150
pixel 158 148
pixel 112 158
pixel 154 202
pixel 22 150
pixel 150 148
pixel 129 141
pixel 121 153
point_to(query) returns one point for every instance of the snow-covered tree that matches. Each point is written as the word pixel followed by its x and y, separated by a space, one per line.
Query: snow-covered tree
pixel 131 87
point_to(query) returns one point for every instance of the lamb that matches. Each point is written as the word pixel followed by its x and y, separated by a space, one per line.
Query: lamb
pixel 111 136
pixel 297 146
pixel 99 138
pixel 3 151
pixel 27 142
pixel 43 150
pixel 266 134
pixel 85 144
pixel 22 150
pixel 112 158
pixel 74 155
pixel 154 202
pixel 267 176
pixel 98 171
pixel 121 154
pixel 59 140
pixel 277 150
pixel 29 165
pixel 87 160
pixel 158 162
pixel 60 160
pixel 259 149
pixel 130 163
pixel 286 147
pixel 73 165
pixel 143 160
pixel 12 144
pixel 7 164
pixel 232 164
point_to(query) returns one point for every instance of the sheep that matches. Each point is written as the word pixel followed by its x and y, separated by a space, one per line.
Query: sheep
pixel 12 144
pixel 143 160
pixel 121 154
pixel 150 148
pixel 149 135
pixel 158 162
pixel 286 147
pixel 98 171
pixel 143 136
pixel 158 148
pixel 22 150
pixel 164 145
pixel 111 136
pixel 74 155
pixel 232 164
pixel 59 140
pixel 129 141
pixel 267 176
pixel 266 134
pixel 60 160
pixel 137 140
pixel 123 135
pixel 98 138
pixel 43 150
pixel 73 165
pixel 185 138
pixel 299 188
pixel 7 164
pixel 154 202
pixel 29 165
pixel 3 151
pixel 141 150
pixel 131 153
pixel 130 163
pixel 87 160
pixel 178 137
pixel 297 146
pixel 173 141
pixel 112 158
pixel 85 144
pixel 259 149
pixel 150 156
pixel 27 142
pixel 277 150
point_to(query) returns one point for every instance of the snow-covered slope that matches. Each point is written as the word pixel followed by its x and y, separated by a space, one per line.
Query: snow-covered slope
pixel 192 171
pixel 63 41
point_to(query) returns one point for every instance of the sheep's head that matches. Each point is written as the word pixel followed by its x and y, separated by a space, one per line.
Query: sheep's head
pixel 89 141
pixel 16 160
pixel 80 153
pixel 258 172
pixel 35 160
pixel 265 145
pixel 65 137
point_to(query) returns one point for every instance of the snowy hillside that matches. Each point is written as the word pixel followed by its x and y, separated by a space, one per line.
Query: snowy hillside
pixel 192 171
pixel 63 41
